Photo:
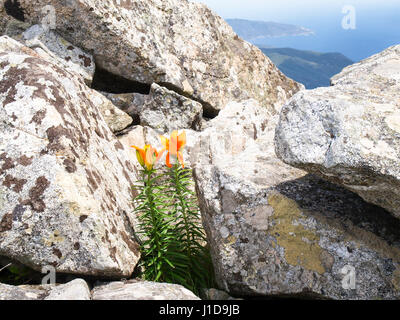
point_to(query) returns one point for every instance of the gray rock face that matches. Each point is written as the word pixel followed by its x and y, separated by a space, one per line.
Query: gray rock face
pixel 274 230
pixel 165 110
pixel 10 26
pixel 177 43
pixel 8 292
pixel 130 103
pixel 72 58
pixel 116 119
pixel 74 290
pixel 65 181
pixel 350 133
pixel 162 109
pixel 215 294
pixel 142 290
pixel 4 18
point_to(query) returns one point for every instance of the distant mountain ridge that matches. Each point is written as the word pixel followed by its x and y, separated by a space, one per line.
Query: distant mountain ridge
pixel 313 69
pixel 258 30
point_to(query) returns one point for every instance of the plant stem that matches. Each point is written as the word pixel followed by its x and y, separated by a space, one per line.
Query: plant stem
pixel 182 203
pixel 150 198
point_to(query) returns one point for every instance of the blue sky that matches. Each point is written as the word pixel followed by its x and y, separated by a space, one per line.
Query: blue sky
pixel 377 22
pixel 292 10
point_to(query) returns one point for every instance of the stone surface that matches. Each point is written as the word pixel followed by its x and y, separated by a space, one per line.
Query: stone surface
pixel 10 26
pixel 130 103
pixel 74 290
pixel 4 18
pixel 65 180
pixel 165 110
pixel 274 230
pixel 215 294
pixel 116 119
pixel 71 57
pixel 179 44
pixel 142 290
pixel 162 109
pixel 8 292
pixel 349 133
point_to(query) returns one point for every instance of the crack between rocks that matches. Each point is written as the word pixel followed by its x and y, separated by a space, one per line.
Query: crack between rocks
pixel 106 81
pixel 13 9
pixel 208 111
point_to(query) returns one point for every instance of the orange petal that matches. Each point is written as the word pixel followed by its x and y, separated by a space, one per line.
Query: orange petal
pixel 173 143
pixel 174 134
pixel 181 140
pixel 149 155
pixel 167 162
pixel 159 154
pixel 180 159
pixel 140 157
pixel 137 148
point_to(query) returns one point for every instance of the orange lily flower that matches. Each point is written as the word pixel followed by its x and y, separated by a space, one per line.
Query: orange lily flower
pixel 174 146
pixel 148 156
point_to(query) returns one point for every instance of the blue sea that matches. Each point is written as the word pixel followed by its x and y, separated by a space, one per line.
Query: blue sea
pixel 375 31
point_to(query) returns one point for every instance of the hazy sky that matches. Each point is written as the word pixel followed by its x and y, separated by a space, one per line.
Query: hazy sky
pixel 291 11
pixel 377 26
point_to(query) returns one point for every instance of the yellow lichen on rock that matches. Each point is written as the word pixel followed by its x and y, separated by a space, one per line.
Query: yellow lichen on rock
pixel 55 237
pixel 300 244
pixel 231 240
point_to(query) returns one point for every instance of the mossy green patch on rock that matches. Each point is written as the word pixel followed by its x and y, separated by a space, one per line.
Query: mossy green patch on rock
pixel 300 244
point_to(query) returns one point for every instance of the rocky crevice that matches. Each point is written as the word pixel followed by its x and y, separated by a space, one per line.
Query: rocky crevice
pixel 13 9
pixel 209 111
pixel 112 83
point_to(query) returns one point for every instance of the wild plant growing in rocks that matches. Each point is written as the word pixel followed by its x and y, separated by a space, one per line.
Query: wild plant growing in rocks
pixel 174 244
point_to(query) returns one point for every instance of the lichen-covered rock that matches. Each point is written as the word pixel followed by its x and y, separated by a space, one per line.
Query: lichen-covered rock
pixel 8 292
pixel 350 133
pixel 165 110
pixel 176 43
pixel 215 294
pixel 142 290
pixel 65 180
pixel 4 18
pixel 116 119
pixel 130 103
pixel 73 290
pixel 161 109
pixel 71 57
pixel 273 230
pixel 10 26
